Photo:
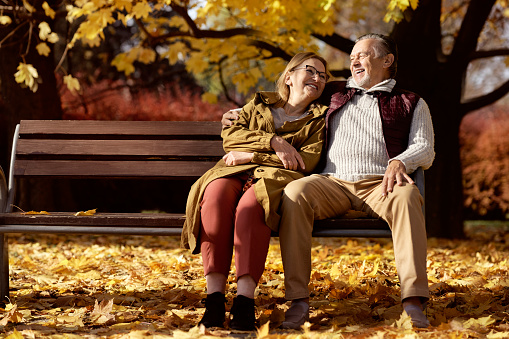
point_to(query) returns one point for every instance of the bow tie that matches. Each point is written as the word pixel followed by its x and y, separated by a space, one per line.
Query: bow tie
pixel 373 93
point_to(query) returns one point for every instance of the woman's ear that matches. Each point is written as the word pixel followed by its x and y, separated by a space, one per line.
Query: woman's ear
pixel 389 60
pixel 288 79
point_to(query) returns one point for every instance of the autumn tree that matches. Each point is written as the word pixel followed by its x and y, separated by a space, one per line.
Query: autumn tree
pixel 235 46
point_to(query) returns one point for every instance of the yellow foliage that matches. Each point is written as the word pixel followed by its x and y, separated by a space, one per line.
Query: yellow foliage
pixel 44 30
pixel 36 213
pixel 124 63
pixel 48 10
pixel 27 76
pixel 86 213
pixel 43 49
pixel 209 97
pixel 28 6
pixel 72 83
pixel 141 10
pixel 5 20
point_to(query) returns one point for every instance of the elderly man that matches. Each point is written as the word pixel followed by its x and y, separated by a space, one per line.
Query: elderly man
pixel 376 135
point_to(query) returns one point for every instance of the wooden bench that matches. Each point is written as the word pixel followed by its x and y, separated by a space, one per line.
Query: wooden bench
pixel 121 150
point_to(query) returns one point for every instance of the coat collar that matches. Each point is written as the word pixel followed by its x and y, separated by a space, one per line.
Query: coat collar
pixel 273 98
pixel 384 86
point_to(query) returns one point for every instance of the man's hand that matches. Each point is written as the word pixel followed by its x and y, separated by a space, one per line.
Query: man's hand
pixel 395 172
pixel 287 153
pixel 237 158
pixel 230 116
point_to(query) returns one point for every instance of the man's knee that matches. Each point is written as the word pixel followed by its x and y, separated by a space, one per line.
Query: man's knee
pixel 294 191
pixel 407 195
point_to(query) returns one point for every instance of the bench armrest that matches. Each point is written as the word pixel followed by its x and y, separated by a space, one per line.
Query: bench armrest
pixel 3 191
pixel 418 177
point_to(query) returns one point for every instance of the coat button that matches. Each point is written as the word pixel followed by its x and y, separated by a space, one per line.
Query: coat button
pixel 259 170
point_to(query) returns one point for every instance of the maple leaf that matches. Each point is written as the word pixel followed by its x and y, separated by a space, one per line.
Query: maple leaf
pixel 13 316
pixel 43 49
pixel 263 331
pixel 72 83
pixel 48 10
pixel 15 335
pixel 101 313
pixel 35 212
pixel 5 20
pixel 27 76
pixel 404 322
pixel 86 213
pixel 44 30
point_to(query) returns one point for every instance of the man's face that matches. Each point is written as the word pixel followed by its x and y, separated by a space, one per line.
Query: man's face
pixel 368 70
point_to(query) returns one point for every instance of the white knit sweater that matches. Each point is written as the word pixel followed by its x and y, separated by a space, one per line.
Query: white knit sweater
pixel 357 148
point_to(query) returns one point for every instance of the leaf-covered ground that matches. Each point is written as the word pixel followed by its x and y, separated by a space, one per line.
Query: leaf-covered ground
pixel 72 286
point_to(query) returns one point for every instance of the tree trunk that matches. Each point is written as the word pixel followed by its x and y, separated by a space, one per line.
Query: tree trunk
pixel 439 84
pixel 21 103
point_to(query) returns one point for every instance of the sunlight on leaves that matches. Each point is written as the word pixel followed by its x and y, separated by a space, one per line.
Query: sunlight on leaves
pixel 27 76
pixel 5 20
pixel 72 83
pixel 36 212
pixel 86 213
pixel 43 49
pixel 48 10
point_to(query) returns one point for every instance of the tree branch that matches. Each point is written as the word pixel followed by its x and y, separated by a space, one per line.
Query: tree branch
pixel 483 100
pixel 274 50
pixel 336 41
pixel 466 42
pixel 341 73
pixel 488 54
pixel 223 83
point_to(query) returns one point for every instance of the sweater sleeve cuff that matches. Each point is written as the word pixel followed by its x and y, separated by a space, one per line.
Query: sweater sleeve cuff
pixel 408 170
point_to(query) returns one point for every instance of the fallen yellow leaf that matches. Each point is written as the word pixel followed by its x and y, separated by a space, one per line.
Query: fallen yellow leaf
pixel 35 212
pixel 86 213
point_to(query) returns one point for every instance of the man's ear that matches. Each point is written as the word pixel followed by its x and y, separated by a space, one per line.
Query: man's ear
pixel 388 60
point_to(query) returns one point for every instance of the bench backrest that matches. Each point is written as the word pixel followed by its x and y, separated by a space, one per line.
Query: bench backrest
pixel 121 149
pixel 82 149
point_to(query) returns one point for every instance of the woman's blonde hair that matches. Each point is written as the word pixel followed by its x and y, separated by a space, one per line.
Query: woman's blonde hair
pixel 281 87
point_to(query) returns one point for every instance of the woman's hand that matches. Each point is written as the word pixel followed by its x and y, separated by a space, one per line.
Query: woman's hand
pixel 229 117
pixel 237 158
pixel 288 155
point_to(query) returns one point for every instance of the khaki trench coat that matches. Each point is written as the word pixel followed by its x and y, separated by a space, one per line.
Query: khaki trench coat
pixel 252 132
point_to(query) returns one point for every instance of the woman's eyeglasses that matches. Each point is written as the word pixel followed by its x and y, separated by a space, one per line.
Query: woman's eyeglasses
pixel 322 76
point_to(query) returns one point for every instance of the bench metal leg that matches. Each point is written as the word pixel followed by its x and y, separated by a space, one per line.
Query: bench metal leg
pixel 4 269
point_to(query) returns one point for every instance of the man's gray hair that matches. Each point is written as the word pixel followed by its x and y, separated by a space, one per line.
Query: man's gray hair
pixel 385 46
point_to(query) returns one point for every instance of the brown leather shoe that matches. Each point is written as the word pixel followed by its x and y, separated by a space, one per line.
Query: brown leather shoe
pixel 296 316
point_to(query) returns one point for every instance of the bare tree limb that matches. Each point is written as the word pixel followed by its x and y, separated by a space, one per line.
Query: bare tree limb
pixel 489 54
pixel 223 83
pixel 483 100
pixel 475 18
pixel 337 41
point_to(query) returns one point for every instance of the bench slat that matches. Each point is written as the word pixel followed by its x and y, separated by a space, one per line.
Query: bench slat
pixel 160 224
pixel 132 148
pixel 170 220
pixel 111 169
pixel 120 128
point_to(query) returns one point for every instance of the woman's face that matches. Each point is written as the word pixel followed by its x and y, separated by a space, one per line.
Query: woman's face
pixel 307 80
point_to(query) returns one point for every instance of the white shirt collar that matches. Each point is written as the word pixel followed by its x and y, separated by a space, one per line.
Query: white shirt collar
pixel 384 86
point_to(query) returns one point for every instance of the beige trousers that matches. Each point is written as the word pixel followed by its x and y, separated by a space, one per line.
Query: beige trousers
pixel 319 197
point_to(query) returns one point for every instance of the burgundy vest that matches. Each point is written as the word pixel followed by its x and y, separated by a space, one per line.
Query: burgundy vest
pixel 396 111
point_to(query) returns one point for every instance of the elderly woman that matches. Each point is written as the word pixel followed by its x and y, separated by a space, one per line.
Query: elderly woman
pixel 277 138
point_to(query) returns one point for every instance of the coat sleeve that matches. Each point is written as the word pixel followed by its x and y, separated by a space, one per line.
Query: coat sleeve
pixel 247 134
pixel 310 150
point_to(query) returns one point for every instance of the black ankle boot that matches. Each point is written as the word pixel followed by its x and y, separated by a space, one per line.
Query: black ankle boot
pixel 243 314
pixel 214 310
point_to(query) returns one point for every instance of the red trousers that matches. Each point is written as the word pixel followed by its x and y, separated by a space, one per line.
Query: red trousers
pixel 231 218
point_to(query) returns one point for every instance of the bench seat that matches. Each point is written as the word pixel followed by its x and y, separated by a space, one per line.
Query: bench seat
pixel 124 150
